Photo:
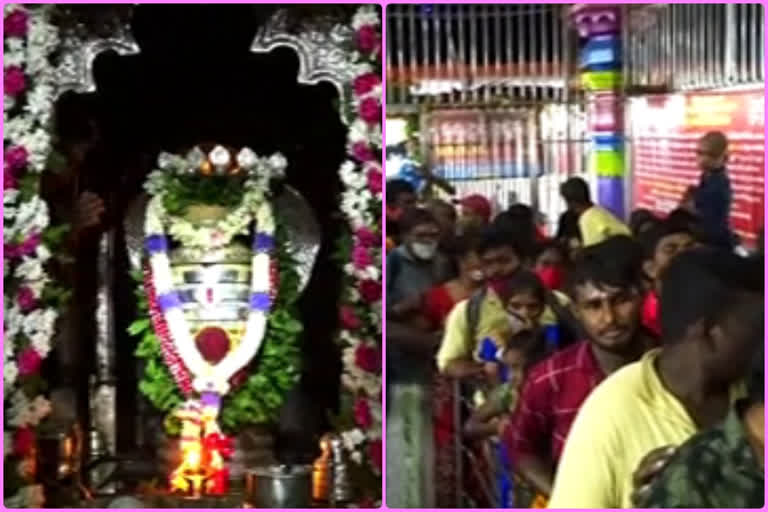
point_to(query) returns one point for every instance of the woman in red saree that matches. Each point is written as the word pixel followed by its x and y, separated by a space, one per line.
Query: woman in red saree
pixel 437 303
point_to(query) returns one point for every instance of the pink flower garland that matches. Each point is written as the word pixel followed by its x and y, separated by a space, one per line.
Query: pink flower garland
pixel 366 246
pixel 15 24
pixel 170 355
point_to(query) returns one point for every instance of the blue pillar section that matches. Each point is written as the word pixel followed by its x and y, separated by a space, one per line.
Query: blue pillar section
pixel 600 62
pixel 610 194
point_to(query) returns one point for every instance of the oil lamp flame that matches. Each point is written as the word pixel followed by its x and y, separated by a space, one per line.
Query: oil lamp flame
pixel 203 448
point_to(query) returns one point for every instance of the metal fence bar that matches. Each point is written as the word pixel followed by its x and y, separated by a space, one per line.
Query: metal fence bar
pixel 402 68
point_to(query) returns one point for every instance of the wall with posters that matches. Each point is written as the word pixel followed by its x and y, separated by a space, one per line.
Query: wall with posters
pixel 664 130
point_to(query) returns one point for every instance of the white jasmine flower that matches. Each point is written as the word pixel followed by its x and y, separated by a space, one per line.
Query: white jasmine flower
pixel 30 269
pixel 10 372
pixel 366 15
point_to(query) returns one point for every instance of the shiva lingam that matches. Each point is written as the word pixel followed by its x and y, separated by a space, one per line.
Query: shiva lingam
pixel 210 295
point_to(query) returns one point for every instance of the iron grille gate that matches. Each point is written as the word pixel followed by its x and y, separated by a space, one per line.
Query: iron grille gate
pixel 516 154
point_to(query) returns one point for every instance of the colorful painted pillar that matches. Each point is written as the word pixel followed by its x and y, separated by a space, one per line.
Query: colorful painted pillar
pixel 599 28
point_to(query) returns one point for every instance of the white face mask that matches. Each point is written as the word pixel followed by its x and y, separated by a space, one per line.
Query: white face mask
pixel 477 275
pixel 424 251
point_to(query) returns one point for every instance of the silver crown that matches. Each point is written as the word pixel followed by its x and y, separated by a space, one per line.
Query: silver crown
pixel 220 161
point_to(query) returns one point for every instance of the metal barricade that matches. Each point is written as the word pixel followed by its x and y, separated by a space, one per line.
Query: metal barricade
pixel 694 46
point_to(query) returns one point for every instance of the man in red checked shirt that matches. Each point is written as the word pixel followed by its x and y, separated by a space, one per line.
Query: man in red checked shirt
pixel 605 286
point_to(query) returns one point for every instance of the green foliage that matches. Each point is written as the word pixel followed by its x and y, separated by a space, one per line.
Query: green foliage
pixel 272 373
pixel 186 190
pixel 29 184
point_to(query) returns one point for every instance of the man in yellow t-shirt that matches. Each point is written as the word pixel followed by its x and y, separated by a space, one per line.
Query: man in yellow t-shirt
pixel 595 223
pixel 712 316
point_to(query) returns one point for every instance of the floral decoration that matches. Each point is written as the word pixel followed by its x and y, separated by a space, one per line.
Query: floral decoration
pixel 30 300
pixel 178 366
pixel 360 250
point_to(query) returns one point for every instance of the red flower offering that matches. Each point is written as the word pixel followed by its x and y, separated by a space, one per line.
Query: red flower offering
pixel 213 344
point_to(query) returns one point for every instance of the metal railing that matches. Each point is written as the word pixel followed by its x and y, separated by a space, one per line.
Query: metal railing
pixel 693 46
pixel 475 54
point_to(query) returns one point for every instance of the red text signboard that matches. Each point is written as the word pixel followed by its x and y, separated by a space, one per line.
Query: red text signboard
pixel 665 130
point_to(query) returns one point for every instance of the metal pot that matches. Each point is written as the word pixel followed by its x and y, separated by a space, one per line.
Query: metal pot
pixel 279 486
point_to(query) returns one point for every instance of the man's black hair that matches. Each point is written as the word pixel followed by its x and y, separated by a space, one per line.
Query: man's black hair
pixel 523 281
pixel 615 262
pixel 397 187
pixel 416 216
pixel 650 239
pixel 517 223
pixel 568 226
pixel 640 218
pixel 495 238
pixel 705 284
pixel 575 190
pixel 463 245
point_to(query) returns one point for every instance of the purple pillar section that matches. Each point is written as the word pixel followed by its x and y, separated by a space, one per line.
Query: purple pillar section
pixel 610 195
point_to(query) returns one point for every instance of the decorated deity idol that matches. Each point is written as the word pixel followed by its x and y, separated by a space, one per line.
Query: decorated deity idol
pixel 227 250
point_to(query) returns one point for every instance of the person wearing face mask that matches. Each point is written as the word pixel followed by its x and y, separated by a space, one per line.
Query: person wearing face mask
pixel 604 285
pixel 661 244
pixel 436 306
pixel 414 267
pixel 482 314
pixel 445 214
pixel 550 265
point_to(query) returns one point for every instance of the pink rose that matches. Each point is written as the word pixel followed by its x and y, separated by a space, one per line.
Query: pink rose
pixel 29 246
pixel 9 180
pixel 365 83
pixel 367 39
pixel 370 290
pixel 348 318
pixel 15 24
pixel 26 299
pixel 374 180
pixel 368 358
pixel 363 416
pixel 374 452
pixel 15 82
pixel 23 441
pixel 366 237
pixel 361 258
pixel 29 362
pixel 16 158
pixel 370 111
pixel 362 152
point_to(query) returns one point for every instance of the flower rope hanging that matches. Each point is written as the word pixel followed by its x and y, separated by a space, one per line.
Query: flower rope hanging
pixel 360 250
pixel 30 300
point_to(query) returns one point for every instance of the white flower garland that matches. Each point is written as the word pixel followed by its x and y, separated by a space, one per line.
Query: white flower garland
pixel 213 377
pixel 25 220
pixel 361 206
